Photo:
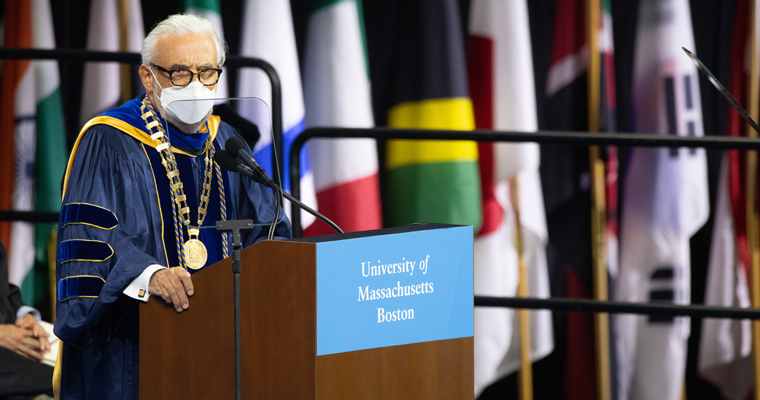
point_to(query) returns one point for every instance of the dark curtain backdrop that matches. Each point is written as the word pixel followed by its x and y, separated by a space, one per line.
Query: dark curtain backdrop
pixel 712 21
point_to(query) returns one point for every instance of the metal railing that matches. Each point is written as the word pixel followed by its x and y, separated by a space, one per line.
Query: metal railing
pixel 135 58
pixel 541 137
pixel 544 137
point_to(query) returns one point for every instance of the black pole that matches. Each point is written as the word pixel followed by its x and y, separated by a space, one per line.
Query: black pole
pixel 542 137
pixel 295 187
pixel 277 143
pixel 136 58
pixel 235 227
pixel 30 216
pixel 618 307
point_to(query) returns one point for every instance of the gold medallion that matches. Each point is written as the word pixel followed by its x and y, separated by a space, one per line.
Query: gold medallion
pixel 195 251
pixel 195 254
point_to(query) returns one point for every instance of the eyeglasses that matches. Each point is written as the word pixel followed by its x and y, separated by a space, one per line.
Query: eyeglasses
pixel 183 77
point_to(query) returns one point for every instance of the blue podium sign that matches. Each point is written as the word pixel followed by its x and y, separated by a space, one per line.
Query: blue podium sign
pixel 395 289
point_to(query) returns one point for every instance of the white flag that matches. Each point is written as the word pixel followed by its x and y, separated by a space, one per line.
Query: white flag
pixel 504 90
pixel 102 81
pixel 726 344
pixel 268 34
pixel 665 203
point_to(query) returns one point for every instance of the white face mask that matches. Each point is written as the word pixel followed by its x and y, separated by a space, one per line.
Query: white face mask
pixel 190 104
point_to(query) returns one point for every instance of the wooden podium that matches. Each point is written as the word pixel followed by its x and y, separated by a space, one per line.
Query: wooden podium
pixel 190 355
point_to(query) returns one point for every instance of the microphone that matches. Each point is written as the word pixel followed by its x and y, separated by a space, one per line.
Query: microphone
pixel 236 147
pixel 226 160
pixel 230 163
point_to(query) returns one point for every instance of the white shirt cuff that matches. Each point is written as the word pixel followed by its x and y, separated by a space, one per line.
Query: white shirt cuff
pixel 23 310
pixel 138 289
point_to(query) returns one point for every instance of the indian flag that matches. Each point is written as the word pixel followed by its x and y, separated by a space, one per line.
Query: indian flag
pixel 51 156
pixel 500 68
pixel 113 26
pixel 268 34
pixel 17 144
pixel 211 10
pixel 430 181
pixel 337 93
pixel 34 115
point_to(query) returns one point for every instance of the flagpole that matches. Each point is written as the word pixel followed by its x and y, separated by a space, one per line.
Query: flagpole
pixel 126 84
pixel 751 185
pixel 525 375
pixel 51 254
pixel 598 208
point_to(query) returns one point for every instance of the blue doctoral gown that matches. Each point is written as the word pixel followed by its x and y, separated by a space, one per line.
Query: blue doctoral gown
pixel 116 220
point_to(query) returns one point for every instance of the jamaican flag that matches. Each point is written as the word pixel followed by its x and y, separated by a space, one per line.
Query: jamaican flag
pixel 422 84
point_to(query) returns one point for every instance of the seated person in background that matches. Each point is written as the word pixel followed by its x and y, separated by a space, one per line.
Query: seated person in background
pixel 23 343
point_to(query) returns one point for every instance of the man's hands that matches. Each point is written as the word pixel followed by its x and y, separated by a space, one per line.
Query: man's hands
pixel 26 337
pixel 173 285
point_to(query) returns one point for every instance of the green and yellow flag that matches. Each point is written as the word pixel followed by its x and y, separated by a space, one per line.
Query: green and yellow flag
pixel 430 181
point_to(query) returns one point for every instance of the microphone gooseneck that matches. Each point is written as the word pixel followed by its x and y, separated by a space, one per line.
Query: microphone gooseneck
pixel 236 152
pixel 228 161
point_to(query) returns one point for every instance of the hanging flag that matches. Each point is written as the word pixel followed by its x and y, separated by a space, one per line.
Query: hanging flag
pixel 665 203
pixel 569 204
pixel 726 344
pixel 725 348
pixel 500 71
pixel 115 25
pixel 430 181
pixel 51 156
pixel 212 11
pixel 268 34
pixel 337 93
pixel 17 143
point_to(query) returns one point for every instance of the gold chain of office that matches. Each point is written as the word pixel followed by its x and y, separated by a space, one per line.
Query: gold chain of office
pixel 193 252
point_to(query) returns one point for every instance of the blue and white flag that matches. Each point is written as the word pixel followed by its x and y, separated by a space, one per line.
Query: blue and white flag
pixel 268 34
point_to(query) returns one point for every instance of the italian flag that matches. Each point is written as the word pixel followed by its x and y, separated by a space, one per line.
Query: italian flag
pixel 337 93
pixel 502 88
pixel 34 115
pixel 431 181
pixel 211 10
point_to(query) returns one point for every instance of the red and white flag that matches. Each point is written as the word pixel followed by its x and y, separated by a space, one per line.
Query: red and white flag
pixel 725 346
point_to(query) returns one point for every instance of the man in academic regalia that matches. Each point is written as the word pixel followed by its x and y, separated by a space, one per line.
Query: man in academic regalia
pixel 140 189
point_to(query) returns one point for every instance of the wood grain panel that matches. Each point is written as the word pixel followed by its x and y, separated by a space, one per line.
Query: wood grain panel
pixel 190 355
pixel 430 370
pixel 279 320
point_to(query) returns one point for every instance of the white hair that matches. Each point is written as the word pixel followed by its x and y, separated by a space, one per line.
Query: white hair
pixel 182 24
